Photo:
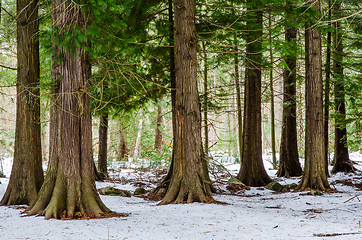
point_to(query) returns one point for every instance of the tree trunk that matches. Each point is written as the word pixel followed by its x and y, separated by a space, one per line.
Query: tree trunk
pixel 206 125
pixel 69 190
pixel 342 163
pixel 238 99
pixel 314 175
pixel 289 165
pixel 123 151
pixel 252 171
pixel 102 151
pixel 27 173
pixel 327 88
pixel 158 134
pixel 271 84
pixel 138 140
pixel 163 186
pixel 190 180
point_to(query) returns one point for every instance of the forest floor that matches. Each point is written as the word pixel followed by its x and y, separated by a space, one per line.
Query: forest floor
pixel 258 213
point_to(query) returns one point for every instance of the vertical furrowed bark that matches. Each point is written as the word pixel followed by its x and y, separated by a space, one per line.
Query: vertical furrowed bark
pixel 188 178
pixel 69 189
pixel 315 175
pixel 27 174
pixel 271 84
pixel 342 163
pixel 158 134
pixel 289 164
pixel 102 151
pixel 327 87
pixel 252 171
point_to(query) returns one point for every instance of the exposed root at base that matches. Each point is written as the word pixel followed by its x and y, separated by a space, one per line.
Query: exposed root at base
pixel 208 201
pixel 83 216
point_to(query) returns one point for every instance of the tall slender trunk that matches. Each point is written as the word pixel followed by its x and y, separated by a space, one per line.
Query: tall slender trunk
pixel 252 171
pixel 123 151
pixel 26 174
pixel 189 179
pixel 238 99
pixel 164 185
pixel 342 163
pixel 102 150
pixel 137 147
pixel 314 175
pixel 206 125
pixel 271 84
pixel 327 87
pixel 158 133
pixel 289 164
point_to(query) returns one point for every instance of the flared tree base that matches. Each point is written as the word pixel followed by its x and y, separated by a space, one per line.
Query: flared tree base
pixel 346 167
pixel 15 197
pixel 285 171
pixel 258 181
pixel 183 195
pixel 61 199
pixel 313 183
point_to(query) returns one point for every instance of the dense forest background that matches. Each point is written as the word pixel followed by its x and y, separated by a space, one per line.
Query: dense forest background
pixel 218 44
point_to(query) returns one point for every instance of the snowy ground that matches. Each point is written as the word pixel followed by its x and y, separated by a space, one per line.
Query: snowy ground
pixel 255 214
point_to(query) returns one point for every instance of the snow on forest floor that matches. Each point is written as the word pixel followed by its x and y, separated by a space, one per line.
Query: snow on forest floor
pixel 257 213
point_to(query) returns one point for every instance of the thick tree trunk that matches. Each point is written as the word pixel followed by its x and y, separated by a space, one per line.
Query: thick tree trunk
pixel 69 190
pixel 314 175
pixel 27 173
pixel 102 151
pixel 342 163
pixel 252 171
pixel 289 165
pixel 158 134
pixel 189 181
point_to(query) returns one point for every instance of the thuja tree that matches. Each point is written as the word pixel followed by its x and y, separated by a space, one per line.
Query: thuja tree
pixel 69 189
pixel 102 146
pixel 342 163
pixel 252 171
pixel 189 181
pixel 314 175
pixel 289 161
pixel 27 174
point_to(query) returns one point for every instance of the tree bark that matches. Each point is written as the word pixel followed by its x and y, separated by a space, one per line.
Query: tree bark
pixel 238 100
pixel 314 175
pixel 206 125
pixel 158 134
pixel 271 84
pixel 27 173
pixel 138 140
pixel 102 151
pixel 252 171
pixel 289 165
pixel 327 88
pixel 123 151
pixel 69 190
pixel 163 186
pixel 342 163
pixel 190 180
